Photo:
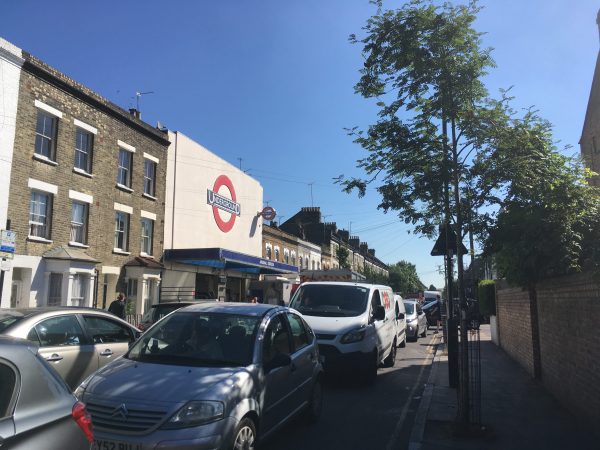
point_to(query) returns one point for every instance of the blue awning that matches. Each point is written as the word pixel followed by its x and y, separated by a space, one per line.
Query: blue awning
pixel 222 258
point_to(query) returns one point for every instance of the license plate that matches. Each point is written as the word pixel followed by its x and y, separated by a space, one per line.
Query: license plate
pixel 103 444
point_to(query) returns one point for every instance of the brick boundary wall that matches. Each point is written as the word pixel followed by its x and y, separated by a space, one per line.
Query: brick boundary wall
pixel 569 315
pixel 514 325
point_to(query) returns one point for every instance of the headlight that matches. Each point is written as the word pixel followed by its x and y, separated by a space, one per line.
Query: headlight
pixel 353 336
pixel 196 413
pixel 82 387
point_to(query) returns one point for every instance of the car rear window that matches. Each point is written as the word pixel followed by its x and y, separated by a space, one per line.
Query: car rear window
pixel 8 382
pixel 162 310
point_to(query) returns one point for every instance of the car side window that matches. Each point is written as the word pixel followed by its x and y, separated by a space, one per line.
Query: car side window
pixel 8 382
pixel 104 331
pixel 300 337
pixel 59 331
pixel 276 339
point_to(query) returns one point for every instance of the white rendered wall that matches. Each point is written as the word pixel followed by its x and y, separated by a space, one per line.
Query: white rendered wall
pixel 189 219
pixel 10 73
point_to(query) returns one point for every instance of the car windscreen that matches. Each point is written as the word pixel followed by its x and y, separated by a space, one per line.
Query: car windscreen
pixel 410 308
pixel 199 339
pixel 162 310
pixel 330 300
pixel 8 320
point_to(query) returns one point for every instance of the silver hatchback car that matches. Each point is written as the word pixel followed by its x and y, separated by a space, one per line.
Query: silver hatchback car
pixel 208 376
pixel 75 341
pixel 37 410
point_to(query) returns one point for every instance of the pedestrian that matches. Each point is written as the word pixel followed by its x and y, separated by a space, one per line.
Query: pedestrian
pixel 117 307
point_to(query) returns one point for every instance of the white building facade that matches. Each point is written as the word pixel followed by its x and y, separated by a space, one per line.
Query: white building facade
pixel 213 226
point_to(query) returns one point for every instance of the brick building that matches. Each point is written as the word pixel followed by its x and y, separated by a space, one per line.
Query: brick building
pixel 86 195
pixel 281 246
pixel 307 225
pixel 590 135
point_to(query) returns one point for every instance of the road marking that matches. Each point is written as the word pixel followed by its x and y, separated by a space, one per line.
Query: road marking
pixel 398 428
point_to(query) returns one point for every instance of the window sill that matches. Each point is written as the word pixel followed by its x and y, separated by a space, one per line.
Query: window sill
pixel 118 251
pixel 150 197
pixel 78 244
pixel 146 255
pixel 44 159
pixel 39 239
pixel 82 172
pixel 124 188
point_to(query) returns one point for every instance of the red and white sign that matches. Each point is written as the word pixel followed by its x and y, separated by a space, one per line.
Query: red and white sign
pixel 223 203
pixel 268 213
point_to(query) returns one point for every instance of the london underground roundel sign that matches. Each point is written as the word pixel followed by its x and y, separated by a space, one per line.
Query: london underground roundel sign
pixel 223 203
pixel 268 213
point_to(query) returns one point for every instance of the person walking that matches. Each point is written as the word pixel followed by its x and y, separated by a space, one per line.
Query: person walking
pixel 117 307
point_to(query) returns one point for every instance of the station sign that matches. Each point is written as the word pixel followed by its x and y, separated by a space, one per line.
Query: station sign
pixel 220 202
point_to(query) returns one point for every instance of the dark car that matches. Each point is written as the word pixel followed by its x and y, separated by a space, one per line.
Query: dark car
pixel 432 312
pixel 75 341
pixel 160 310
pixel 37 410
pixel 211 376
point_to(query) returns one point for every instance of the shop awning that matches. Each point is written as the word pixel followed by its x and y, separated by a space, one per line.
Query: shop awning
pixel 222 258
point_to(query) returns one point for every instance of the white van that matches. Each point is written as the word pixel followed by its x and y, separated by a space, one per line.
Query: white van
pixel 354 324
pixel 400 320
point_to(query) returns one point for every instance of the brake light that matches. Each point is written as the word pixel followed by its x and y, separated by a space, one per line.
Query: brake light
pixel 82 417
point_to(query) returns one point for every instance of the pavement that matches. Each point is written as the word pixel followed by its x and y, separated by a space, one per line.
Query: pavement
pixel 517 412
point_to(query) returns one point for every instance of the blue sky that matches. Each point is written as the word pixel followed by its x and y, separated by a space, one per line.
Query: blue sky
pixel 271 82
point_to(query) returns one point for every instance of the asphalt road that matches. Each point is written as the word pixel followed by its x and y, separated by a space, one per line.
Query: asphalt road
pixel 378 417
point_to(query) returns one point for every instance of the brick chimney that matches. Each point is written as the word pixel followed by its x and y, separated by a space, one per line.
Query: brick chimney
pixel 354 241
pixel 135 113
pixel 372 252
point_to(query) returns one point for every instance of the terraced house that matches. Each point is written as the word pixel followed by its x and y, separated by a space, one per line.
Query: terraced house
pixel 84 192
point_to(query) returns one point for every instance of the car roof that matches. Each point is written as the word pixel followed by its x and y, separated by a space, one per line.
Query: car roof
pixel 26 312
pixel 247 309
pixel 410 300
pixel 347 283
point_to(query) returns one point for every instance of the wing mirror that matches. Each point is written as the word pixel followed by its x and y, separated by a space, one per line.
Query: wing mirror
pixel 379 312
pixel 400 316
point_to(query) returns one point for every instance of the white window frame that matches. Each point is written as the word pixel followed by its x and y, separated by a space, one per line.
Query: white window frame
pixel 127 170
pixel 82 281
pixel 88 152
pixel 124 232
pixel 47 216
pixel 150 182
pixel 146 242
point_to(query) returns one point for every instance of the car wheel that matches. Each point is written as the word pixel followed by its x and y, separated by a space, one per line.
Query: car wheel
pixel 417 334
pixel 403 343
pixel 391 358
pixel 315 403
pixel 245 435
pixel 424 333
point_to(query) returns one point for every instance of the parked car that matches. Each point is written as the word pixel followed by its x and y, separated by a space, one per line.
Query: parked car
pixel 212 375
pixel 432 312
pixel 75 341
pixel 400 320
pixel 160 310
pixel 354 324
pixel 416 321
pixel 37 410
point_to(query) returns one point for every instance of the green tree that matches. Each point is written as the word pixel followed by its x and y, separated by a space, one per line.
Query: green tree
pixel 342 255
pixel 404 279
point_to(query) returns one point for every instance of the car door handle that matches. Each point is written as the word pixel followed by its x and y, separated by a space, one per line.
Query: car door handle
pixel 107 352
pixel 54 357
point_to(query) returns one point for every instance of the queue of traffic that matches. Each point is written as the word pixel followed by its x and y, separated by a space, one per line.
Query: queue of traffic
pixel 211 375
